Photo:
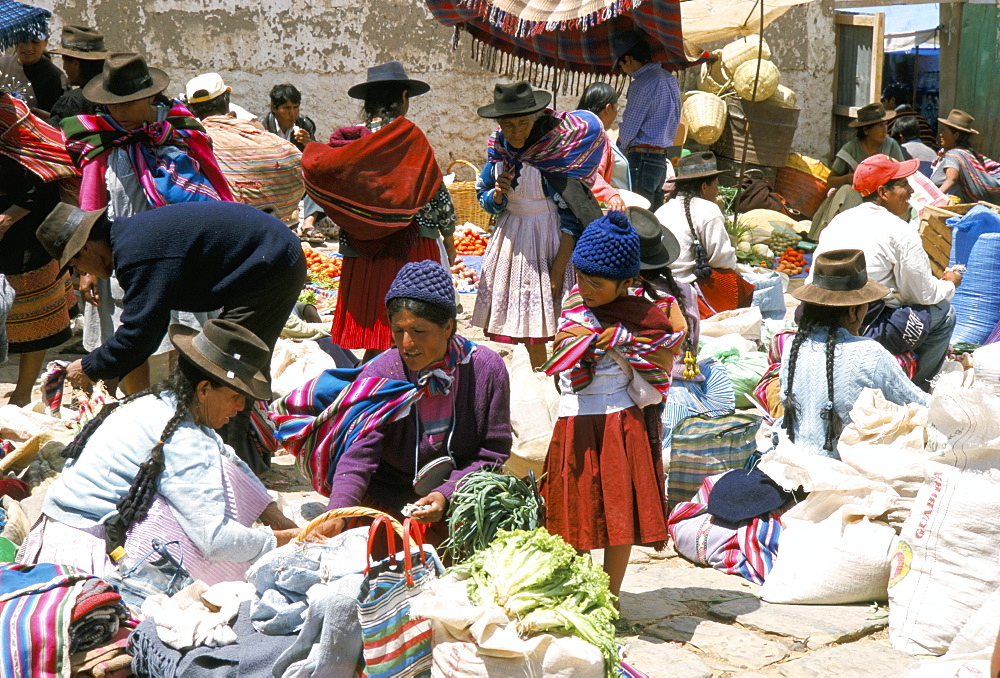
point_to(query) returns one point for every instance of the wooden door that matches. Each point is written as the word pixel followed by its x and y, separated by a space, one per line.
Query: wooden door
pixel 857 77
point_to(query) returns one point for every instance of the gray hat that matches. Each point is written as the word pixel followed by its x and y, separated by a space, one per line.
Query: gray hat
pixel 65 231
pixel 657 246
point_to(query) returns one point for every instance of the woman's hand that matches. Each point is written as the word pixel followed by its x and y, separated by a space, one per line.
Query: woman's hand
pixel 88 289
pixel 434 505
pixel 616 203
pixel 503 186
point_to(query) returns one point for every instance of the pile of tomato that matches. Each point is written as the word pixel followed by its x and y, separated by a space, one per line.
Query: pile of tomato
pixel 791 261
pixel 323 270
pixel 470 242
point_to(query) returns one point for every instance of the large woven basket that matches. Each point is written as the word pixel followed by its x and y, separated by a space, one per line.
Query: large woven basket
pixel 744 49
pixel 463 194
pixel 784 97
pixel 705 115
pixel 766 86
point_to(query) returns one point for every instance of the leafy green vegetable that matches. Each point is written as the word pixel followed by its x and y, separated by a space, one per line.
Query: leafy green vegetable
pixel 485 503
pixel 540 580
pixel 307 297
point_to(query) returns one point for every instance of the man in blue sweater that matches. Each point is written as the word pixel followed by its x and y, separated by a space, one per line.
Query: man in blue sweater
pixel 197 256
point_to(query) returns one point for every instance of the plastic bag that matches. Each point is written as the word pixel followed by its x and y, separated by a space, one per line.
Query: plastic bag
pixel 768 293
pixel 745 322
pixel 745 368
pixel 977 300
pixel 534 408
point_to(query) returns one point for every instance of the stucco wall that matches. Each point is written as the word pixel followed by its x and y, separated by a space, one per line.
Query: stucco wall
pixel 321 46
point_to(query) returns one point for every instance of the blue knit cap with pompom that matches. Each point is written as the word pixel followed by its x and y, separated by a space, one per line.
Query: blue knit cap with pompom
pixel 427 281
pixel 608 248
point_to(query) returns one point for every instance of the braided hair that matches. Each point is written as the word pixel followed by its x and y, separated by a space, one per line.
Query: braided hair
pixel 649 279
pixel 134 506
pixel 815 317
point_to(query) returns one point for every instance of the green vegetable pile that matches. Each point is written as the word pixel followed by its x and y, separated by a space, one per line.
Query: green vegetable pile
pixel 485 503
pixel 538 579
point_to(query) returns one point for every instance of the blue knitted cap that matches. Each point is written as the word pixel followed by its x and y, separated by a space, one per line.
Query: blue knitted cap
pixel 424 280
pixel 608 248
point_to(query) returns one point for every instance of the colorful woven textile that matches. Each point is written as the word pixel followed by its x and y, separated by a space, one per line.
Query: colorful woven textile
pixel 747 549
pixel 586 48
pixel 318 421
pixel 39 622
pixel 574 147
pixel 34 143
pixel 52 386
pixel 189 176
pixel 978 176
pixel 577 349
pixel 19 23
pixel 39 317
pixel 374 186
pixel 262 168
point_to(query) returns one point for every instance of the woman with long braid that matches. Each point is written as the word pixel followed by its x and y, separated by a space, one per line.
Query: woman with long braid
pixel 154 467
pixel 828 363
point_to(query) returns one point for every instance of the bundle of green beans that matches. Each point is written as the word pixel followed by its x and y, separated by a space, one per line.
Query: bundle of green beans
pixel 484 503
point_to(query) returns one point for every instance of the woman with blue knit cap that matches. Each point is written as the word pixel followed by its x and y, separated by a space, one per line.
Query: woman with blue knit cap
pixel 614 350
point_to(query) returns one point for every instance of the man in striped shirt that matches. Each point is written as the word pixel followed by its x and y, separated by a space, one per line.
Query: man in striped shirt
pixel 263 170
pixel 651 115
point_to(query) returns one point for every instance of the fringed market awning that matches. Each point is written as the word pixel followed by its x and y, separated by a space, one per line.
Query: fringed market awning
pixel 563 44
pixel 19 23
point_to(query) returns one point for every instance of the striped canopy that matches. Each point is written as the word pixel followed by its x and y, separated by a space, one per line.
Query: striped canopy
pixel 568 36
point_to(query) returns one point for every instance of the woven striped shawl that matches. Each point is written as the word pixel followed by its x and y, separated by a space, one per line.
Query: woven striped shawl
pixel 34 143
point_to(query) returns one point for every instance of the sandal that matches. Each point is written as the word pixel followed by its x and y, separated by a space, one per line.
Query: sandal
pixel 313 237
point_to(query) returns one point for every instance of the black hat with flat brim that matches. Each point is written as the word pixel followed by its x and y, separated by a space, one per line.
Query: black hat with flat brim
pixel 657 246
pixel 228 353
pixel 391 73
pixel 512 100
pixel 126 78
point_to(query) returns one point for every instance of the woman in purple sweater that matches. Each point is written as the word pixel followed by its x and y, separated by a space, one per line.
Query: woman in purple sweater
pixel 459 422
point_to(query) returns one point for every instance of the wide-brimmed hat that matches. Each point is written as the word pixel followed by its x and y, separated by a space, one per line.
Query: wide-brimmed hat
pixel 657 246
pixel 632 199
pixel 65 231
pixel 515 99
pixel 126 78
pixel 700 165
pixel 840 278
pixel 960 120
pixel 872 114
pixel 389 73
pixel 81 42
pixel 205 87
pixel 227 352
pixel 744 494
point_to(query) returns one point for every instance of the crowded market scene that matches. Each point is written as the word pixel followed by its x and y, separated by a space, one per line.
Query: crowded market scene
pixel 652 339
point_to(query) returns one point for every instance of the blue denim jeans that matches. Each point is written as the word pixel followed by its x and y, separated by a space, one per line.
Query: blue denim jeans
pixel 648 171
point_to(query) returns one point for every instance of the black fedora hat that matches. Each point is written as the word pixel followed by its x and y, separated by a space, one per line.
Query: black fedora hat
pixel 515 99
pixel 657 246
pixel 228 352
pixel 81 42
pixel 65 231
pixel 391 72
pixel 126 78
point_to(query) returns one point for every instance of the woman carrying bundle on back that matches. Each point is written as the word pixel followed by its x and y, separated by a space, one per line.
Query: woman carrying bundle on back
pixel 603 482
pixel 959 169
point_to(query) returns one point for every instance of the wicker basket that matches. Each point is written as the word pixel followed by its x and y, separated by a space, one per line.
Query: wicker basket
pixel 783 97
pixel 745 49
pixel 463 194
pixel 349 512
pixel 705 117
pixel 766 86
pixel 712 78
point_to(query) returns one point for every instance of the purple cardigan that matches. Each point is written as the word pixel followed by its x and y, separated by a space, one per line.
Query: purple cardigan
pixel 381 463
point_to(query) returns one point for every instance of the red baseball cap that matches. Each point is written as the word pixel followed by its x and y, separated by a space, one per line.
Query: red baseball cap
pixel 880 169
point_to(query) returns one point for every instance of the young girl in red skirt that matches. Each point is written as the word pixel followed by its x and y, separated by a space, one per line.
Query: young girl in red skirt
pixel 603 483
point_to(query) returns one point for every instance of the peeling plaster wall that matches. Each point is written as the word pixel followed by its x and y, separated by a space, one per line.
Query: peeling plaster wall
pixel 322 47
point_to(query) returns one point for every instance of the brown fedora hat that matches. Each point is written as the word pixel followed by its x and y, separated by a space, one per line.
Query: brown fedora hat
pixel 872 114
pixel 698 165
pixel 65 231
pixel 81 42
pixel 126 78
pixel 960 120
pixel 227 352
pixel 840 278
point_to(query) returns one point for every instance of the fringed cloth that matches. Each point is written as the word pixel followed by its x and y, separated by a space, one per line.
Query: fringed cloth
pixel 634 326
pixel 20 23
pixel 321 419
pixel 573 148
pixel 39 318
pixel 373 184
pixel 193 175
pixel 37 145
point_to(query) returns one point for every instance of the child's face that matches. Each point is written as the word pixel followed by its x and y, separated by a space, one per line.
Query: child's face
pixel 599 291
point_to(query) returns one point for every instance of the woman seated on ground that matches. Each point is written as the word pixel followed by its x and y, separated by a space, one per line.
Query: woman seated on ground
pixel 155 468
pixel 695 220
pixel 872 136
pixel 829 364
pixel 461 417
pixel 959 169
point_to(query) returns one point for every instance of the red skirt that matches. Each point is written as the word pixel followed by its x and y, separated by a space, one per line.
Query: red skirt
pixel 602 485
pixel 360 320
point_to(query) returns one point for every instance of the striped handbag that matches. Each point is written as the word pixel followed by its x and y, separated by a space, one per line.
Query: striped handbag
pixel 704 445
pixel 396 644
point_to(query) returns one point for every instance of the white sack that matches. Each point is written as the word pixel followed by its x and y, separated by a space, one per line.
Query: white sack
pixel 534 409
pixel 293 363
pixel 743 321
